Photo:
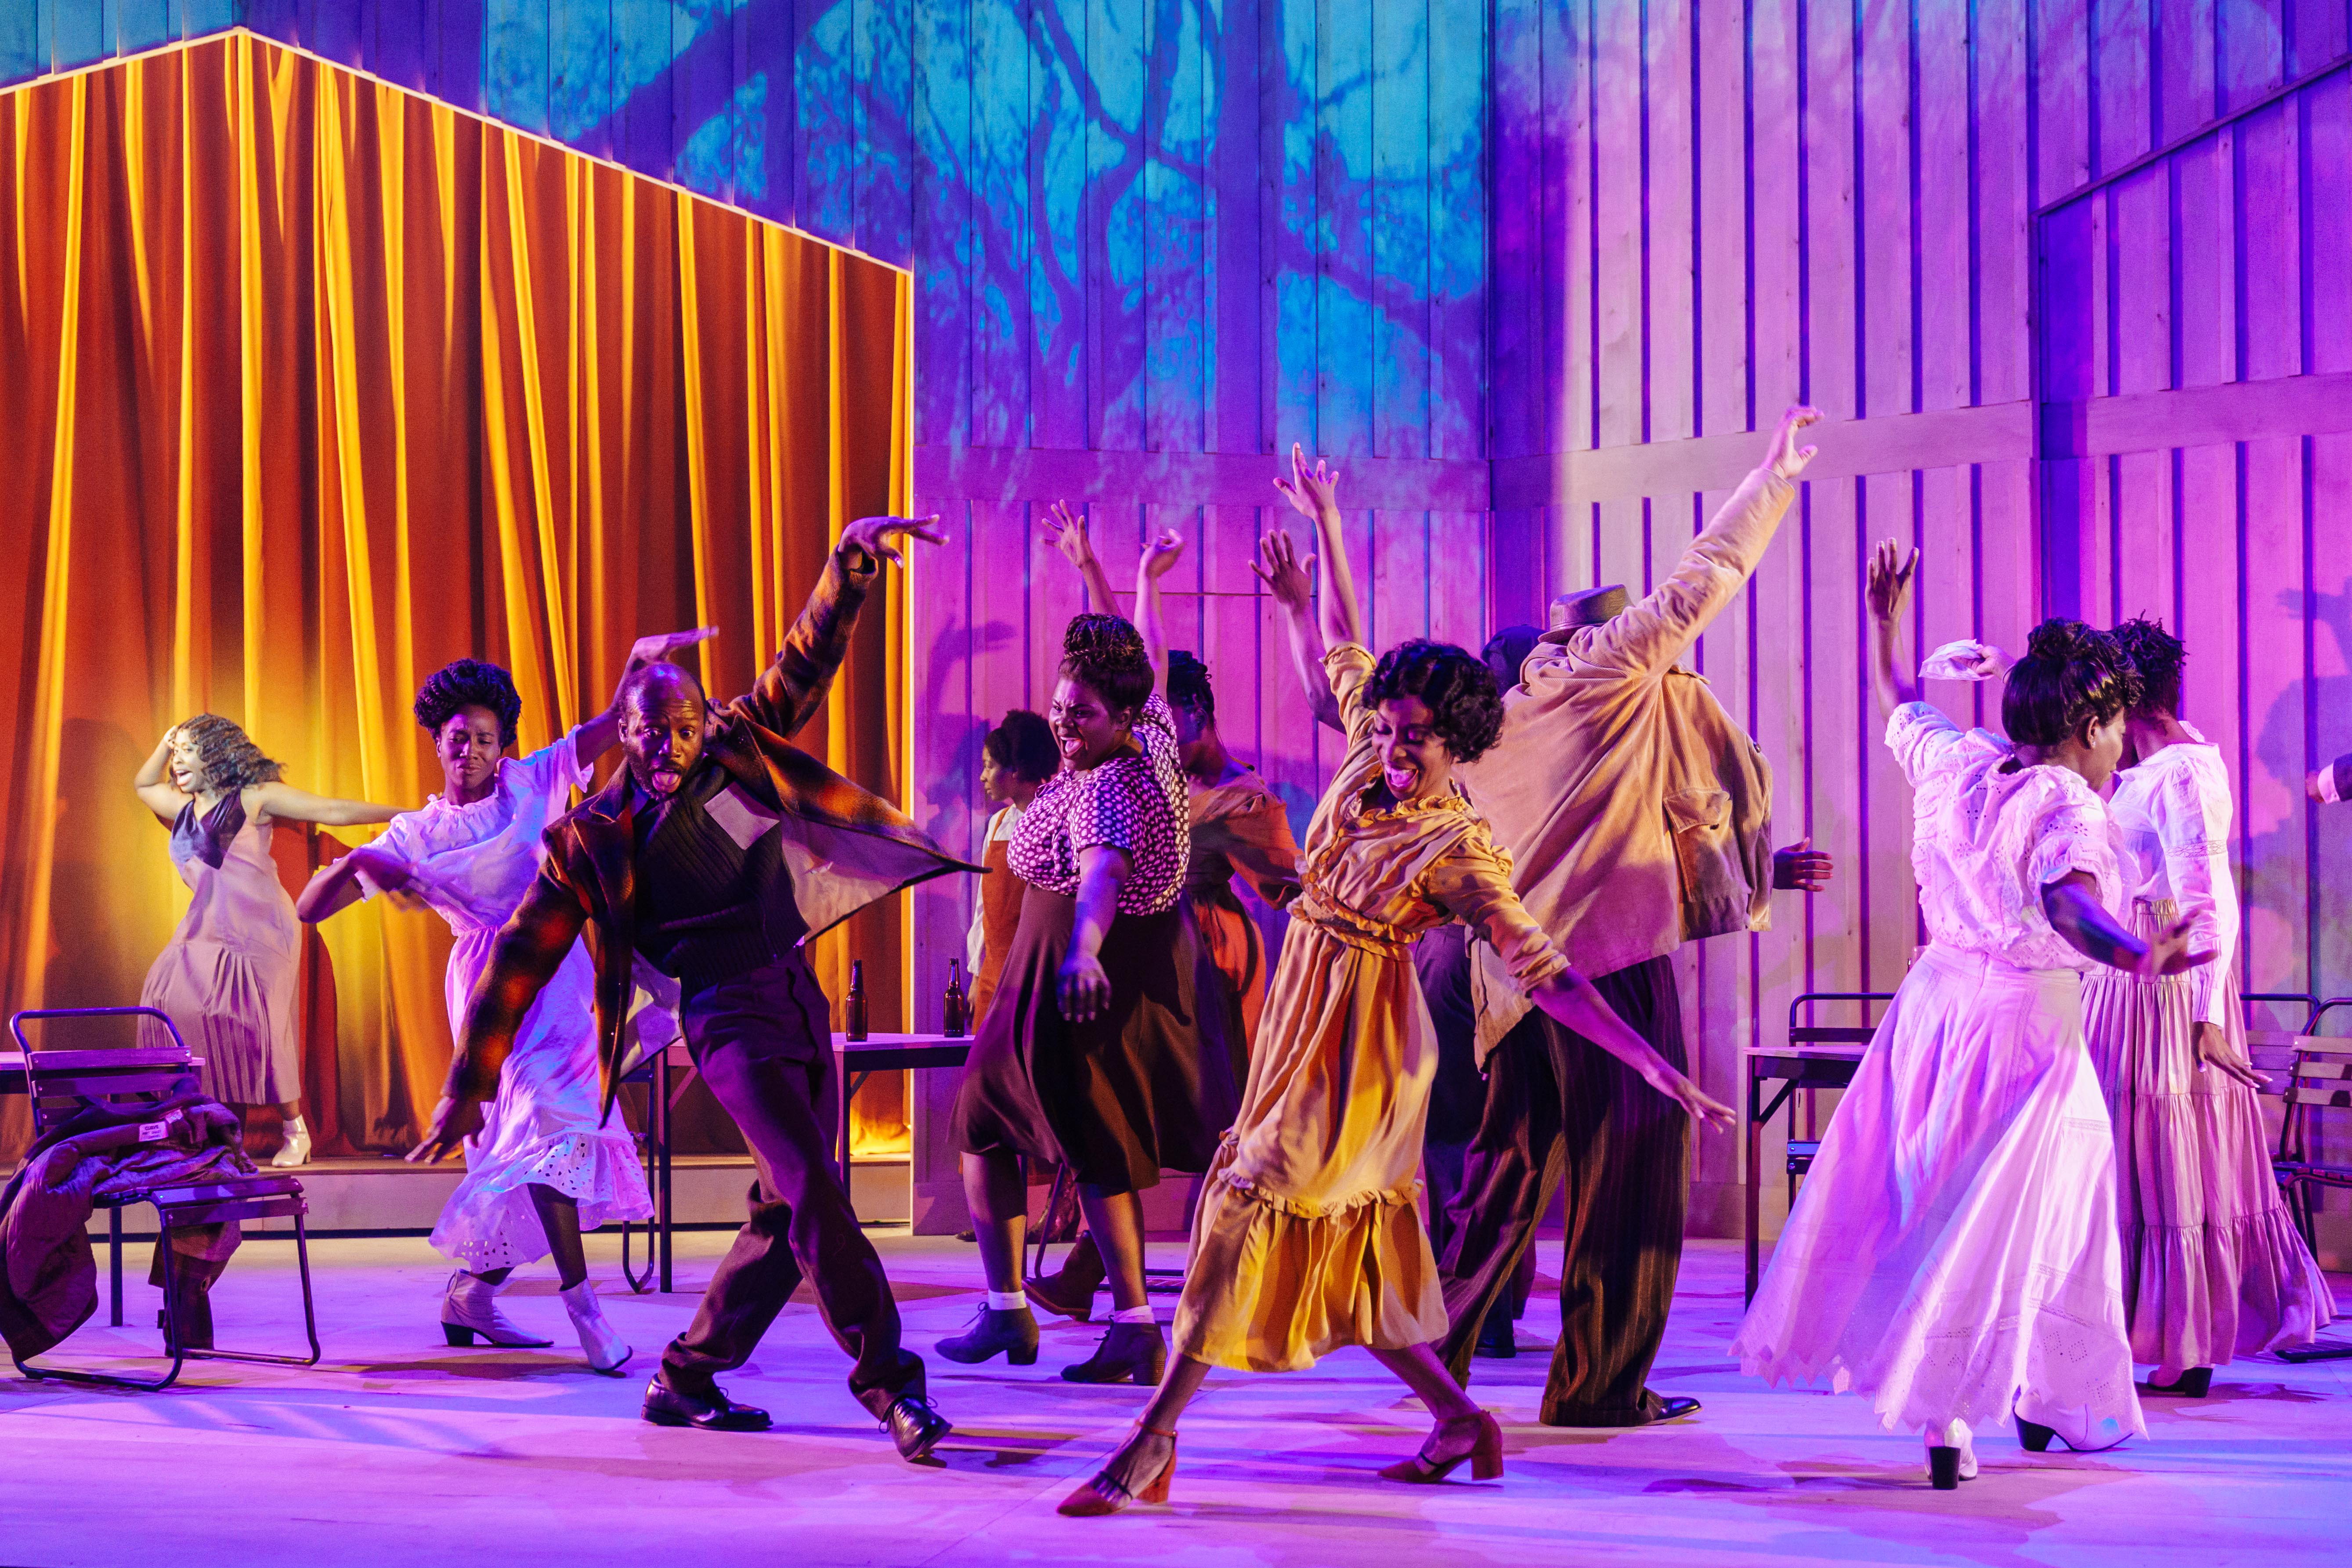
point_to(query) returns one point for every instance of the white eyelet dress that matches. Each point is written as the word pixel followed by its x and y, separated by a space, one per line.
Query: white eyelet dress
pixel 473 864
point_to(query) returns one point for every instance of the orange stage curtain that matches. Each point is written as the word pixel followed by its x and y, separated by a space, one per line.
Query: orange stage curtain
pixel 313 384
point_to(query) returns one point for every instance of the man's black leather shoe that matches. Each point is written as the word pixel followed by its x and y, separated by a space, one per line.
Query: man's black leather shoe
pixel 714 1412
pixel 914 1425
pixel 1672 1407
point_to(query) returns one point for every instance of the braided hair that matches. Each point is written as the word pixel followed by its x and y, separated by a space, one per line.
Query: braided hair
pixel 227 755
pixel 2158 655
pixel 1105 654
pixel 1188 687
pixel 469 683
pixel 1458 686
pixel 2071 675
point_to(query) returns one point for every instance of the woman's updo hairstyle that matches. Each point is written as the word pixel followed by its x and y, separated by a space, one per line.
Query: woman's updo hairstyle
pixel 1456 685
pixel 226 753
pixel 469 683
pixel 1188 685
pixel 2158 655
pixel 1105 654
pixel 2071 675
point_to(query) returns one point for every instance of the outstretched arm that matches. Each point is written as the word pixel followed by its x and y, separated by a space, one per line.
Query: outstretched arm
pixel 1889 595
pixel 598 735
pixel 281 800
pixel 1159 555
pixel 1572 1003
pixel 791 690
pixel 1291 580
pixel 1068 529
pixel 335 886
pixel 1315 492
pixel 153 782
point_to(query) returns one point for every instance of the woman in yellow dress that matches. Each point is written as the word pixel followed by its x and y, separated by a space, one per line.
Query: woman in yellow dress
pixel 1308 1237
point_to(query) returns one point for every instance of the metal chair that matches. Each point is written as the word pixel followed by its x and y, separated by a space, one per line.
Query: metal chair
pixel 63 1084
pixel 1803 1151
pixel 1060 1222
pixel 2306 1075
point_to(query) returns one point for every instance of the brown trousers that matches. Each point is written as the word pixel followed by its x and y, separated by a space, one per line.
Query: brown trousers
pixel 763 1043
pixel 1562 1110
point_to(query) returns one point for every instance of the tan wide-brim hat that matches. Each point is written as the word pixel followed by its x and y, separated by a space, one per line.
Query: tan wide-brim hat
pixel 1588 607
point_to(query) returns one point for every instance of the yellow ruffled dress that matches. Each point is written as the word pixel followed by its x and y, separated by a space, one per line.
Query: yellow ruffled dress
pixel 1307 1236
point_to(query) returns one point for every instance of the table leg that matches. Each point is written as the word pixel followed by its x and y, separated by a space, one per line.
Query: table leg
pixel 1752 1200
pixel 661 1129
pixel 851 1083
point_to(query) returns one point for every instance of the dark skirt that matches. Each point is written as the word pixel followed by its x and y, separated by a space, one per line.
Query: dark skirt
pixel 1146 1086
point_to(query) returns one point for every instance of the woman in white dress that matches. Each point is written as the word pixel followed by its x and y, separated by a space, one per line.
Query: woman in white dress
pixel 2213 1265
pixel 1954 1253
pixel 543 1168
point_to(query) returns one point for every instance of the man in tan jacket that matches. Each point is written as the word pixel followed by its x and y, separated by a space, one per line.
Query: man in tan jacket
pixel 1635 811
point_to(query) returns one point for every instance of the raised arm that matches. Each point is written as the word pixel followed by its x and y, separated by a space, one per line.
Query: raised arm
pixel 792 688
pixel 524 957
pixel 598 734
pixel 283 800
pixel 1889 595
pixel 153 782
pixel 1291 580
pixel 1068 529
pixel 1159 555
pixel 1315 492
pixel 1648 637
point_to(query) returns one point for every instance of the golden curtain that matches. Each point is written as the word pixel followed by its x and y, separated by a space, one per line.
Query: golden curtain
pixel 315 384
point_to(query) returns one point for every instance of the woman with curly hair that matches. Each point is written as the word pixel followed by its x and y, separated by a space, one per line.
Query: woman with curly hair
pixel 1307 1236
pixel 1097 1053
pixel 1954 1253
pixel 2213 1267
pixel 227 976
pixel 544 1167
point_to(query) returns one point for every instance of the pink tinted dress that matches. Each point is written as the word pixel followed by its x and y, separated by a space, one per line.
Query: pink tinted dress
pixel 2213 1265
pixel 227 977
pixel 1954 1252
pixel 473 864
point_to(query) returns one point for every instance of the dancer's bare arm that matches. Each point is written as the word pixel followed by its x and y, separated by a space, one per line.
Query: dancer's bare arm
pixel 1315 492
pixel 1150 619
pixel 1290 578
pixel 1572 1001
pixel 1083 985
pixel 153 782
pixel 598 734
pixel 1068 529
pixel 1888 594
pixel 335 886
pixel 283 800
pixel 2072 903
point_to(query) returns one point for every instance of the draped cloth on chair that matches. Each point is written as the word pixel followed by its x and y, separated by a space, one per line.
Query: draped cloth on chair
pixel 309 384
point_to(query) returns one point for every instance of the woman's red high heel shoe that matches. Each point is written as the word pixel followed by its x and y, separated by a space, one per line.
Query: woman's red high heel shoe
pixel 1485 1453
pixel 1106 1494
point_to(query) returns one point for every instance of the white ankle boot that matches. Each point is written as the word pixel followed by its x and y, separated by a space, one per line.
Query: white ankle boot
pixel 296 1149
pixel 1954 1435
pixel 606 1351
pixel 471 1307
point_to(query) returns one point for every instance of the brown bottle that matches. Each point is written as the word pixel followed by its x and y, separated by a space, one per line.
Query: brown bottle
pixel 952 1018
pixel 853 1022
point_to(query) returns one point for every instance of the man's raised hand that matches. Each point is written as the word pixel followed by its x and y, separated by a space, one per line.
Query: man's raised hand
pixel 1787 459
pixel 879 536
pixel 1287 575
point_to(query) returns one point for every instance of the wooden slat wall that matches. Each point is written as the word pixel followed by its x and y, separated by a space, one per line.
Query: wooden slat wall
pixel 796 110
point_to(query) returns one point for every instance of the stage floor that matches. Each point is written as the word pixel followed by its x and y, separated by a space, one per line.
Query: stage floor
pixel 400 1450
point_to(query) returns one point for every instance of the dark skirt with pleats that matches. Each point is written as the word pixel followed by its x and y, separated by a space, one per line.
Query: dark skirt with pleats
pixel 1143 1086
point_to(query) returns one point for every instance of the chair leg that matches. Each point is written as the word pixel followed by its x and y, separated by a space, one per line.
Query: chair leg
pixel 172 1346
pixel 114 1264
pixel 303 1263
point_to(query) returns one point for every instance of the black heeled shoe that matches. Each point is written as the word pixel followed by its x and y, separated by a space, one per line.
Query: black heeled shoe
pixel 1014 1332
pixel 2036 1438
pixel 1944 1470
pixel 1136 1352
pixel 1485 1453
pixel 2194 1383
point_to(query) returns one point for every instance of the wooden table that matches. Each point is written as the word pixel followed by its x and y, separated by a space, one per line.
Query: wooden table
pixel 1811 1064
pixel 884 1053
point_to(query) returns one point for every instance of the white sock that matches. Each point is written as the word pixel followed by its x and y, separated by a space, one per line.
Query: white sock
pixel 1008 1300
pixel 1134 1314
